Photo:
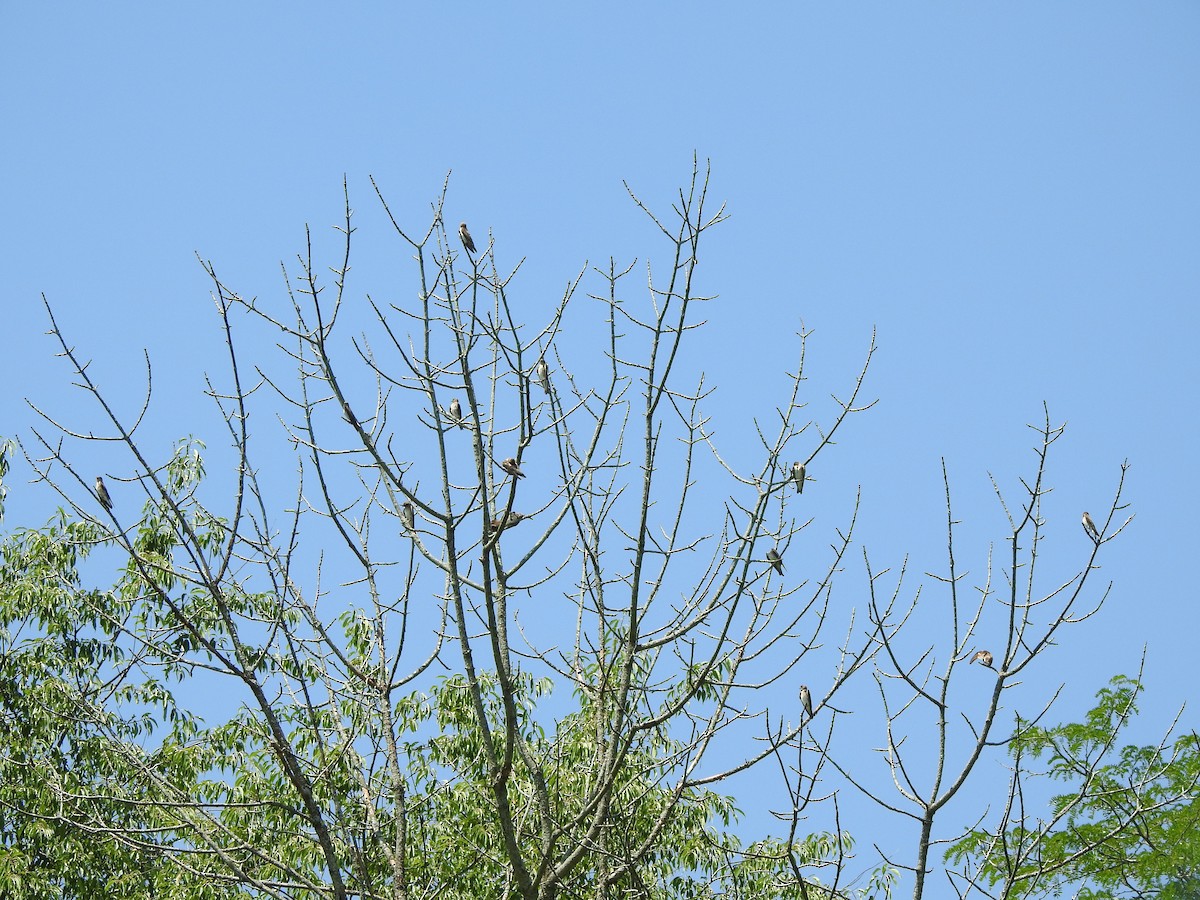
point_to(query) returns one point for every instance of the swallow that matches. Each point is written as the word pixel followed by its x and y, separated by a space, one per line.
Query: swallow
pixel 510 466
pixel 456 416
pixel 513 519
pixel 102 494
pixel 806 700
pixel 1090 527
pixel 775 559
pixel 798 476
pixel 982 656
pixel 407 516
pixel 465 237
pixel 543 375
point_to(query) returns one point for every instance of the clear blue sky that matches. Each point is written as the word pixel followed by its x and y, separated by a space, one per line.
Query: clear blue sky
pixel 1009 193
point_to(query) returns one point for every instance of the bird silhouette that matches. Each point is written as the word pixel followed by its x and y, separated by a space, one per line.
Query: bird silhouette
pixel 465 237
pixel 775 559
pixel 543 375
pixel 798 476
pixel 407 516
pixel 102 494
pixel 1090 527
pixel 512 520
pixel 456 416
pixel 510 466
pixel 982 656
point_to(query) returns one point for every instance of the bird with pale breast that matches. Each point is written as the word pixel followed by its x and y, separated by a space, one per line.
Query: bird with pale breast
pixel 102 494
pixel 798 476
pixel 465 237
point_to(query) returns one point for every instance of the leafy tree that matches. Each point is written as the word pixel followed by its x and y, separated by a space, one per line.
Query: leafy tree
pixel 77 792
pixel 1129 825
pixel 494 639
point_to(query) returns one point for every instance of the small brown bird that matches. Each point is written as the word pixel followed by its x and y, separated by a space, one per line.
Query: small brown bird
pixel 982 656
pixel 798 476
pixel 775 559
pixel 102 494
pixel 806 700
pixel 510 466
pixel 1090 527
pixel 543 375
pixel 407 516
pixel 465 237
pixel 513 519
pixel 456 416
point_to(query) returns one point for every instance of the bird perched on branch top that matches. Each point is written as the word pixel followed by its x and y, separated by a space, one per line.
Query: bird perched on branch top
pixel 798 476
pixel 543 375
pixel 806 700
pixel 775 559
pixel 512 520
pixel 982 656
pixel 510 466
pixel 1090 527
pixel 465 237
pixel 102 494
pixel 407 516
pixel 456 416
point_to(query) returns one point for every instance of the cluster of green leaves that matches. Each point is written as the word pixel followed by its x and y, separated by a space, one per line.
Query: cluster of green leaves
pixel 79 796
pixel 1129 826
pixel 110 787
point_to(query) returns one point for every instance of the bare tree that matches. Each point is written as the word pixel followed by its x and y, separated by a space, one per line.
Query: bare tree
pixel 932 739
pixel 674 610
pixel 456 545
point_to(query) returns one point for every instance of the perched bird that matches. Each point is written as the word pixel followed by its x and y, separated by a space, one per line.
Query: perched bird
pixel 407 516
pixel 513 519
pixel 510 466
pixel 798 476
pixel 543 375
pixel 982 656
pixel 775 559
pixel 465 237
pixel 102 494
pixel 806 700
pixel 1090 527
pixel 456 416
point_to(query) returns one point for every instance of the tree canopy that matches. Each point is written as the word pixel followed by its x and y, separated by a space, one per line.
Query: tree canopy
pixel 1127 826
pixel 517 626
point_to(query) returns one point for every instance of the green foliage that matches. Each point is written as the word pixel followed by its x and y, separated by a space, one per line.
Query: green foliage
pixel 318 620
pixel 1128 827
pixel 109 787
pixel 76 789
